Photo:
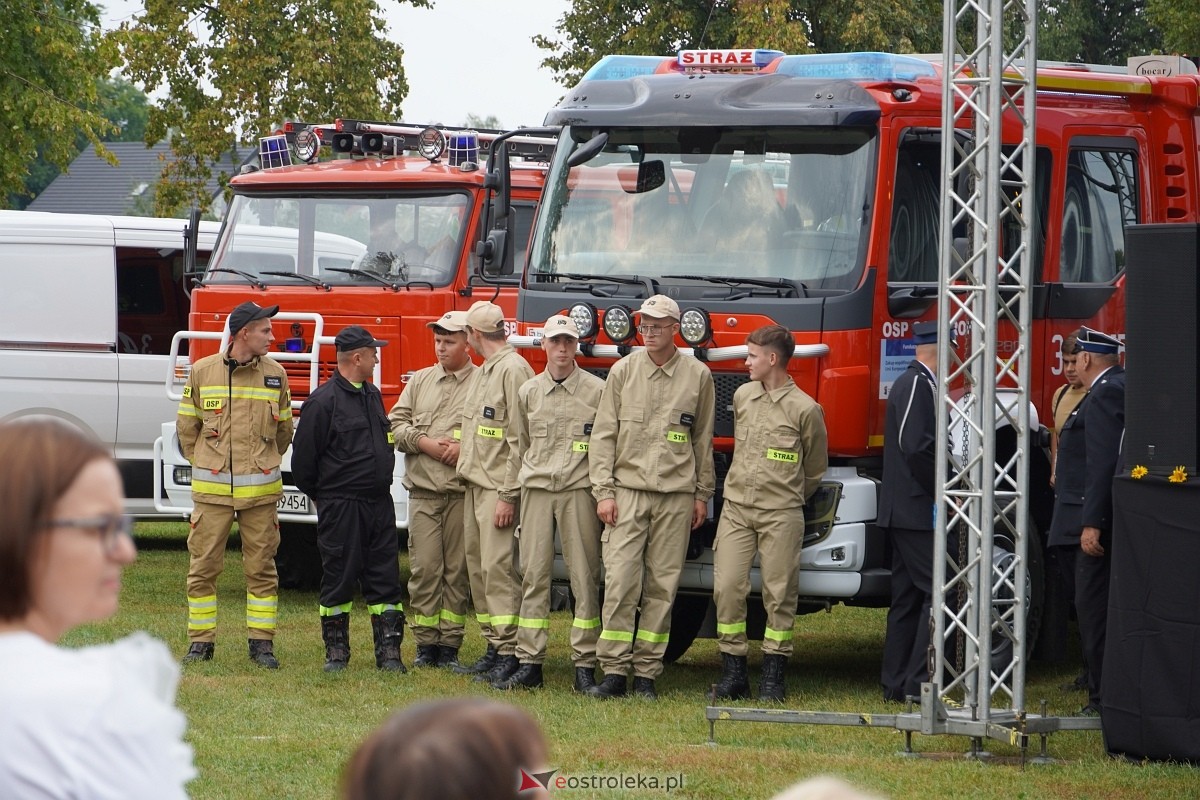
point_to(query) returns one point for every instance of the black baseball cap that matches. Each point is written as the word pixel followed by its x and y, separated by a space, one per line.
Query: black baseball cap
pixel 354 337
pixel 248 312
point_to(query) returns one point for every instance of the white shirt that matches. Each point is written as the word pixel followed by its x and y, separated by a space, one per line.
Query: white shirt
pixel 94 723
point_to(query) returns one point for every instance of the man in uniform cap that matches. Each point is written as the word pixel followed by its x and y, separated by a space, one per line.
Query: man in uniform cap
pixel 343 458
pixel 489 463
pixel 427 423
pixel 651 468
pixel 555 413
pixel 234 424
pixel 1088 453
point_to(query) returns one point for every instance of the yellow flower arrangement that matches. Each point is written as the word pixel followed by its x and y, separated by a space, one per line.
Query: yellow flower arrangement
pixel 1178 475
pixel 1138 472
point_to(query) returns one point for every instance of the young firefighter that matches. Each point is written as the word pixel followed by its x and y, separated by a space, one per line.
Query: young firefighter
pixel 779 458
pixel 651 467
pixel 489 463
pixel 555 412
pixel 427 424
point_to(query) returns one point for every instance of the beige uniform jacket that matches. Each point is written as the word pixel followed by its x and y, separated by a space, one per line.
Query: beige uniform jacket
pixel 554 430
pixel 654 428
pixel 430 405
pixel 489 456
pixel 780 447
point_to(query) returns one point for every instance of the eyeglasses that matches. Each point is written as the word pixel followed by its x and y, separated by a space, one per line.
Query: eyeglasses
pixel 647 330
pixel 109 527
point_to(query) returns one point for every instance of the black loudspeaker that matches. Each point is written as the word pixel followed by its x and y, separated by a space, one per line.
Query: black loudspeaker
pixel 1162 347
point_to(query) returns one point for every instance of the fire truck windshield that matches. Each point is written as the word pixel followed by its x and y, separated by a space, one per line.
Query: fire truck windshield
pixel 778 204
pixel 343 240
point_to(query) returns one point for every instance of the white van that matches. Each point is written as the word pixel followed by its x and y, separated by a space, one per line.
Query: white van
pixel 88 307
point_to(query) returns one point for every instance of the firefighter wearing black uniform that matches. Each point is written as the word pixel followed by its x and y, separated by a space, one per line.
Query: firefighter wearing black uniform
pixel 343 455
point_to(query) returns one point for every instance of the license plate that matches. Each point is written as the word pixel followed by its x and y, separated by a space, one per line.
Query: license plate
pixel 293 503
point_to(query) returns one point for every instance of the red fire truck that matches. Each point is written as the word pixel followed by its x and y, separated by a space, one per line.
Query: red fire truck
pixel 383 235
pixel 756 187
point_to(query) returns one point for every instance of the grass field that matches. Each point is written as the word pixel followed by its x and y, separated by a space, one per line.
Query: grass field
pixel 286 734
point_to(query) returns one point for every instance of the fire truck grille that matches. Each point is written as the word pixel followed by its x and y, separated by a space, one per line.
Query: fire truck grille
pixel 298 376
pixel 725 384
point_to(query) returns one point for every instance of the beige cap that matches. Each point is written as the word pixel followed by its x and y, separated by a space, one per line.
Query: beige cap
pixel 661 307
pixel 453 321
pixel 558 325
pixel 485 317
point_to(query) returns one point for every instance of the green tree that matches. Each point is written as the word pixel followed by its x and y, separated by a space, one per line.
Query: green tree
pixel 1097 31
pixel 1179 21
pixel 490 122
pixel 51 56
pixel 236 69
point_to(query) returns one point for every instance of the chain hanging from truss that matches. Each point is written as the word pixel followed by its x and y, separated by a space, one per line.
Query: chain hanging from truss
pixel 980 575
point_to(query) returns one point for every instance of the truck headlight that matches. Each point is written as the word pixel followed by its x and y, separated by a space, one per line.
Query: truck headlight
pixel 584 315
pixel 694 326
pixel 618 324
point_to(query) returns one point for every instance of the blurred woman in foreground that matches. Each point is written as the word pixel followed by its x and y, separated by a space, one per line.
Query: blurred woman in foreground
pixel 94 722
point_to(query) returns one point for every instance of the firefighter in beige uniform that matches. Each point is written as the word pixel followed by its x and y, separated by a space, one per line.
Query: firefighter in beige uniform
pixel 554 420
pixel 779 458
pixel 651 467
pixel 427 424
pixel 234 424
pixel 489 463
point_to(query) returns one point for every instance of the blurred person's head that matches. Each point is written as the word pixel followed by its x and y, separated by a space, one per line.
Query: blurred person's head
pixel 1069 357
pixel 823 787
pixel 63 538
pixel 460 749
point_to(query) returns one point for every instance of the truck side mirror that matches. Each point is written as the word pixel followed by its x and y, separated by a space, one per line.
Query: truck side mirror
pixel 191 238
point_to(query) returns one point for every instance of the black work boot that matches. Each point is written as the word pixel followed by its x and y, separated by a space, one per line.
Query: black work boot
pixel 262 652
pixel 482 664
pixel 388 629
pixel 644 688
pixel 772 688
pixel 336 633
pixel 447 656
pixel 502 670
pixel 585 679
pixel 427 655
pixel 199 651
pixel 527 676
pixel 611 686
pixel 734 683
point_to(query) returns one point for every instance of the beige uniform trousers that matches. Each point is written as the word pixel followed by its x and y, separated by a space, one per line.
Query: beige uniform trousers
pixel 259 528
pixel 491 565
pixel 573 513
pixel 643 558
pixel 438 587
pixel 777 537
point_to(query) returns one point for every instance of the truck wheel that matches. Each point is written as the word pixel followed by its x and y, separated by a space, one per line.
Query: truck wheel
pixel 298 561
pixel 687 617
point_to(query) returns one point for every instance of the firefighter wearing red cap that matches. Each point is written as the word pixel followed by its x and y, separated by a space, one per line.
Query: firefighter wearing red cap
pixel 234 425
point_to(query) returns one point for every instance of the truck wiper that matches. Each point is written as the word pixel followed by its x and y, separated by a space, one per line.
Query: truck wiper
pixel 631 280
pixel 253 279
pixel 362 273
pixel 798 289
pixel 309 278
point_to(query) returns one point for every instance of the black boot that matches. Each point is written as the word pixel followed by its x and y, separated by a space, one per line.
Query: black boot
pixel 644 688
pixel 447 656
pixel 503 669
pixel 427 655
pixel 772 688
pixel 611 686
pixel 734 683
pixel 336 633
pixel 482 664
pixel 199 651
pixel 388 629
pixel 585 679
pixel 262 652
pixel 527 676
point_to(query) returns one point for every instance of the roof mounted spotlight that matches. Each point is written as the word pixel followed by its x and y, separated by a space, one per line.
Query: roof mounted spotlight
pixel 431 143
pixel 618 324
pixel 694 326
pixel 584 315
pixel 308 145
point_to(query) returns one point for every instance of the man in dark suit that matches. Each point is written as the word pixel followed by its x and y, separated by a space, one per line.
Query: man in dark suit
pixel 906 513
pixel 1088 452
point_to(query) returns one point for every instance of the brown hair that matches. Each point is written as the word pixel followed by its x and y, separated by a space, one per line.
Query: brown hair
pixel 775 338
pixel 39 460
pixel 1067 348
pixel 460 749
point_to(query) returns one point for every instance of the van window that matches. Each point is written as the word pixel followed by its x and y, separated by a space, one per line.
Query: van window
pixel 1101 198
pixel 151 304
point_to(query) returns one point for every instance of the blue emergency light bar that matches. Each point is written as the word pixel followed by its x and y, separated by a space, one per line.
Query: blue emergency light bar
pixel 618 68
pixel 856 67
pixel 273 151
